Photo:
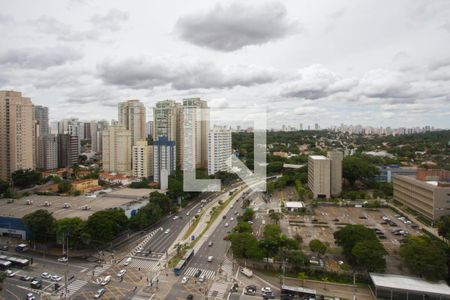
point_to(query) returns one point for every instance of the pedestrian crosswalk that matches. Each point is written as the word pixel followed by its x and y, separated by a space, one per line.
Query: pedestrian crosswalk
pixel 217 290
pixel 144 242
pixel 151 265
pixel 227 267
pixel 74 286
pixel 99 270
pixel 207 273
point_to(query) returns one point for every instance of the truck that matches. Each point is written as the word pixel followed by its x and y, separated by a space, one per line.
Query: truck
pixel 247 272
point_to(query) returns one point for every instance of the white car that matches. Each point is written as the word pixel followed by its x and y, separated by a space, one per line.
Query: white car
pixel 10 273
pixel 226 224
pixel 121 273
pixel 210 258
pixel 56 278
pixel 201 278
pixel 266 289
pixel 63 259
pixel 46 275
pixel 231 219
pixel 176 217
pixel 127 261
pixel 188 213
pixel 184 280
pixel 167 231
pixel 99 293
pixel 30 296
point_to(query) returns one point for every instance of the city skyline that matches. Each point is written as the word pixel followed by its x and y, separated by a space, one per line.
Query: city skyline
pixel 329 63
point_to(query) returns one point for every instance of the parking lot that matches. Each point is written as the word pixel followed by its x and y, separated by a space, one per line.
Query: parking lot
pixel 327 219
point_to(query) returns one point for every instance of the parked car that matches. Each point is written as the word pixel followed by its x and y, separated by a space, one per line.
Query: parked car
pixel 167 231
pixel 56 278
pixel 127 261
pixel 10 273
pixel 30 296
pixel 190 297
pixel 184 280
pixel 121 273
pixel 210 244
pixel 46 275
pixel 25 278
pixel 210 258
pixel 63 259
pixel 201 278
pixel 4 248
pixel 250 290
pixel 99 293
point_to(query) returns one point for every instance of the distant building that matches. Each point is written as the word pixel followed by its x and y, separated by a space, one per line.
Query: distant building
pixel 164 158
pixel 219 150
pixel 325 174
pixel 17 133
pixel 41 117
pixel 48 152
pixel 132 117
pixel 142 160
pixel 387 173
pixel 150 128
pixel 428 195
pixel 68 150
pixel 117 149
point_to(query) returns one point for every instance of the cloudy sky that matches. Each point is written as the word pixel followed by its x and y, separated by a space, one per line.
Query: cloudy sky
pixel 377 63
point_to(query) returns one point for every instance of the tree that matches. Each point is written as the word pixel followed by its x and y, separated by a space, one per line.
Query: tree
pixel 245 245
pixel 425 257
pixel 161 200
pixel 275 167
pixel 275 216
pixel 296 259
pixel 64 187
pixel 248 214
pixel 243 227
pixel 4 186
pixel 444 227
pixel 370 255
pixel 146 216
pixel 75 228
pixel 348 236
pixel 356 168
pixel 25 178
pixel 318 247
pixel 42 225
pixel 104 225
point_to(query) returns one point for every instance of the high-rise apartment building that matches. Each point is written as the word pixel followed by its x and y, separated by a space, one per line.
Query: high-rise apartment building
pixel 17 133
pixel 48 152
pixel 325 174
pixel 168 122
pixel 142 159
pixel 164 159
pixel 117 149
pixel 319 176
pixel 132 117
pixel 336 158
pixel 196 128
pixel 219 149
pixel 68 150
pixel 41 117
pixel 150 128
pixel 97 137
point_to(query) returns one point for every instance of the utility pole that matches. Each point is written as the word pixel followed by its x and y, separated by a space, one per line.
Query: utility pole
pixel 67 267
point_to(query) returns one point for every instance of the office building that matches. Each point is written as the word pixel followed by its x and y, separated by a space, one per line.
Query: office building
pixel 168 122
pixel 219 150
pixel 48 152
pixel 196 128
pixel 428 195
pixel 164 159
pixel 17 133
pixel 68 150
pixel 116 149
pixel 142 159
pixel 97 137
pixel 132 117
pixel 319 176
pixel 336 158
pixel 387 173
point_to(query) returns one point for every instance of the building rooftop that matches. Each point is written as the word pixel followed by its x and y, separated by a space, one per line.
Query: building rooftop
pixel 318 157
pixel 400 282
pixel 294 204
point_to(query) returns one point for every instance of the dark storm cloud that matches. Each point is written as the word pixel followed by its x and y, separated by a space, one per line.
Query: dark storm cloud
pixel 180 74
pixel 38 58
pixel 229 28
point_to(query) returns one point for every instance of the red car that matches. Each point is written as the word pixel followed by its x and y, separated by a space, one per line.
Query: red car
pixel 225 238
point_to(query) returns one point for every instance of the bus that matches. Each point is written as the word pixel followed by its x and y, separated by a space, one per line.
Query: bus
pixel 18 262
pixel 5 265
pixel 22 248
pixel 183 262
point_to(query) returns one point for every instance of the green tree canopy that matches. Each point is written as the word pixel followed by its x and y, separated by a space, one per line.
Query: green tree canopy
pixel 444 227
pixel 356 168
pixel 104 225
pixel 161 200
pixel 370 255
pixel 64 186
pixel 146 216
pixel 42 225
pixel 245 245
pixel 248 215
pixel 243 227
pixel 348 236
pixel 296 258
pixel 75 228
pixel 318 247
pixel 26 178
pixel 425 257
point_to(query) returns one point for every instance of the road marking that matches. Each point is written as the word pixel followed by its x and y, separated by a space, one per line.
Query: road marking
pixel 191 272
pixel 217 290
pixel 74 286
